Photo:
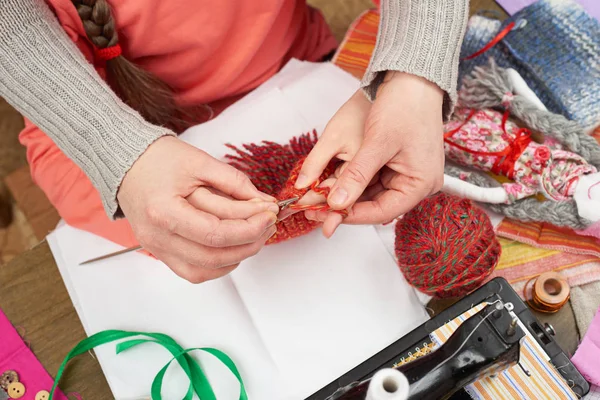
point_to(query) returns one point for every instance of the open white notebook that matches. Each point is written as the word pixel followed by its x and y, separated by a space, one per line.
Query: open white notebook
pixel 293 318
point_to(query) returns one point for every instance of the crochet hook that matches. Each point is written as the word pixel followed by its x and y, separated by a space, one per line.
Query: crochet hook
pixel 281 204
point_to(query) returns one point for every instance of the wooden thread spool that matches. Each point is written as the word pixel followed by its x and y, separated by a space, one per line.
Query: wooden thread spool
pixel 549 293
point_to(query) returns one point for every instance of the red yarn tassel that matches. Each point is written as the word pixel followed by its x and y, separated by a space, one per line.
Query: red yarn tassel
pixel 273 168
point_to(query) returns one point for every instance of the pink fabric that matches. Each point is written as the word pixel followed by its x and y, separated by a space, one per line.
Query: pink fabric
pixel 475 137
pixel 588 353
pixel 209 52
pixel 592 230
pixel 16 356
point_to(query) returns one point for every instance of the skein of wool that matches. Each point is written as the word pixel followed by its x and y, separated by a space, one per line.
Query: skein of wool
pixel 446 246
pixel 273 168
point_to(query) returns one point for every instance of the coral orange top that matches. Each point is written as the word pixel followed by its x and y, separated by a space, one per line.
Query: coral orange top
pixel 210 52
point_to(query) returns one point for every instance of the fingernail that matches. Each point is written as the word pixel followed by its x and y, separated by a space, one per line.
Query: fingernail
pixel 267 197
pixel 273 207
pixel 273 219
pixel 338 197
pixel 273 231
pixel 302 181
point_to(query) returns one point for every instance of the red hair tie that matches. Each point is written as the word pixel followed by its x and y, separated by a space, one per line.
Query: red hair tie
pixel 108 53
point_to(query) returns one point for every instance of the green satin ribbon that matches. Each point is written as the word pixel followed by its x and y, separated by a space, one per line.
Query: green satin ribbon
pixel 198 382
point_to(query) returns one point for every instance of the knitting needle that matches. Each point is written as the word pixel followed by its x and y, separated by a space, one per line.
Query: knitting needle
pixel 116 253
pixel 282 206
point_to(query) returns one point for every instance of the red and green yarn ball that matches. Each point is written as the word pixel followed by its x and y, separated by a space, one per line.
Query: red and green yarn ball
pixel 446 246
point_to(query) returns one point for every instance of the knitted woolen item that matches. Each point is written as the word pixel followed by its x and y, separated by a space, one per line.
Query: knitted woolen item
pixel 446 246
pixel 273 168
pixel 489 87
pixel 556 52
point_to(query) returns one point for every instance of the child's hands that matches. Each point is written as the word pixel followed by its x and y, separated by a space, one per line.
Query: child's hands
pixel 394 149
pixel 198 215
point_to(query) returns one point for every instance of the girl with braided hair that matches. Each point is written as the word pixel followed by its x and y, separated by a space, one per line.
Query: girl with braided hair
pixel 106 86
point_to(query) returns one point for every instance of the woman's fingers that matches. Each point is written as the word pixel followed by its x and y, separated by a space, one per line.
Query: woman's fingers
pixel 199 235
pixel 230 181
pixel 317 160
pixel 331 223
pixel 341 138
pixel 339 170
pixel 197 263
pixel 201 227
pixel 223 207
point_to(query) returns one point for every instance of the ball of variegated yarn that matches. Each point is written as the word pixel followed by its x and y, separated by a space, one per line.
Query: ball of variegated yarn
pixel 446 246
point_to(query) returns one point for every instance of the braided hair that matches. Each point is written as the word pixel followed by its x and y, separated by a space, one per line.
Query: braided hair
pixel 141 90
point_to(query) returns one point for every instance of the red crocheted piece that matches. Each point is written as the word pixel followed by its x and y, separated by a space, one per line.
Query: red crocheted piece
pixel 273 168
pixel 446 246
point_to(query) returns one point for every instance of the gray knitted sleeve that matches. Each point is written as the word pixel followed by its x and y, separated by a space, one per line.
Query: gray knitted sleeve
pixel 423 38
pixel 46 78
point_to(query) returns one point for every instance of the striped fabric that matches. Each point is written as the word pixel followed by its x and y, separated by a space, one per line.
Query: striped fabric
pixel 549 237
pixel 513 384
pixel 575 256
pixel 520 263
pixel 354 53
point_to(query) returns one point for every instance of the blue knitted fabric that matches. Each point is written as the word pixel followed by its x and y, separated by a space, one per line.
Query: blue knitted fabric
pixel 557 52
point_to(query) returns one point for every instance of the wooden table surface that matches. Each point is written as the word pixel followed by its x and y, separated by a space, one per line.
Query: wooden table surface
pixel 33 296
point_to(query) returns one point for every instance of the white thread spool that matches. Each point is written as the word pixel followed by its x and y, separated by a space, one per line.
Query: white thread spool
pixel 388 384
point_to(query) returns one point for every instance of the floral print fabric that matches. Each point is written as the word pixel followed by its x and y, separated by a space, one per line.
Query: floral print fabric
pixel 476 138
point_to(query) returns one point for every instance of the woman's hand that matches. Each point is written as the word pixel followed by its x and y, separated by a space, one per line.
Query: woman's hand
pixel 393 148
pixel 198 215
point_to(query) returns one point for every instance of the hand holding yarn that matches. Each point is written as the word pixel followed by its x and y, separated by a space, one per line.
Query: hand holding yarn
pixel 393 150
pixel 274 169
pixel 198 215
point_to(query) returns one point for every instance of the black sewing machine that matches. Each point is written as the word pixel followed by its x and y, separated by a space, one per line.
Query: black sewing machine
pixel 486 343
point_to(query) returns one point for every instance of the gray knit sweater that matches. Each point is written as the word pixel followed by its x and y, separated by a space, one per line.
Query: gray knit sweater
pixel 46 78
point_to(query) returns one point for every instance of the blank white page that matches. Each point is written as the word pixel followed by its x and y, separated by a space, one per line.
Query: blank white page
pixel 137 293
pixel 322 306
pixel 320 93
pixel 268 116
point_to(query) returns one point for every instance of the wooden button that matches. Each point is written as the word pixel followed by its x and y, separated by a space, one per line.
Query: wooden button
pixel 7 378
pixel 16 390
pixel 42 395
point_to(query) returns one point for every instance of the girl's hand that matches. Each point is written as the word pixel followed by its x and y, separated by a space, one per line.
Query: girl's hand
pixel 393 148
pixel 198 215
